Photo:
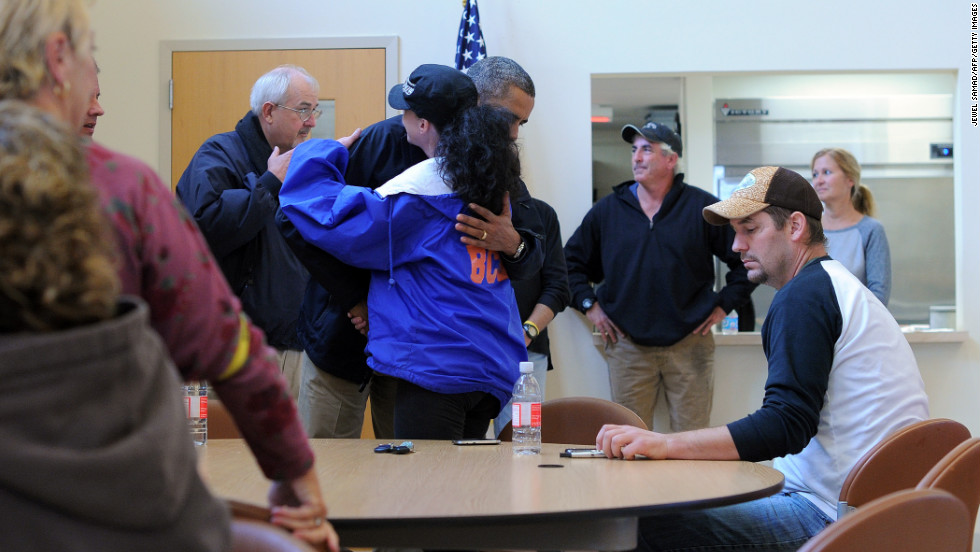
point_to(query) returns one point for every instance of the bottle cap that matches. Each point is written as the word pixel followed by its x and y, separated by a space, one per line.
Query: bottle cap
pixel 527 367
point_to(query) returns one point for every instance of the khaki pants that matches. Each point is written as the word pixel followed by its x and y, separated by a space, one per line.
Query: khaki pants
pixel 289 362
pixel 333 408
pixel 685 370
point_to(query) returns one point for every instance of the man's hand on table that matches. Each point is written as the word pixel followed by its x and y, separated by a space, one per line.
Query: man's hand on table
pixel 628 442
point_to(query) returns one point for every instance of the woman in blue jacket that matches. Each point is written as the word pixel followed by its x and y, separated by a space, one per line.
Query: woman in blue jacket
pixel 444 320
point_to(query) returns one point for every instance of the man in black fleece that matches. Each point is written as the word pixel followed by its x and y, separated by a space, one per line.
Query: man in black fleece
pixel 653 254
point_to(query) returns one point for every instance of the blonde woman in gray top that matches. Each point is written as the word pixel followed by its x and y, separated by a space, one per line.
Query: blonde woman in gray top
pixel 854 238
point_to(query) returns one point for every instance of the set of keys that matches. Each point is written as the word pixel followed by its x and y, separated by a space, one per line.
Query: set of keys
pixel 404 448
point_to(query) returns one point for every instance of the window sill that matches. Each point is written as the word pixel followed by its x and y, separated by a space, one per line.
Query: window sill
pixel 913 337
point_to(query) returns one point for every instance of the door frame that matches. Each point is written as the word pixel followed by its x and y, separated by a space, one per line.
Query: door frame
pixel 168 47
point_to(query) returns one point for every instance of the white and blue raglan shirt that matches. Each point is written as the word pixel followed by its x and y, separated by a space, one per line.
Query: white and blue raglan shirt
pixel 443 314
pixel 841 377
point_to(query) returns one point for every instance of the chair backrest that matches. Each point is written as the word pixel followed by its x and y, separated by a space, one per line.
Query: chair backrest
pixel 577 420
pixel 246 511
pixel 905 521
pixel 959 474
pixel 259 536
pixel 899 461
pixel 220 423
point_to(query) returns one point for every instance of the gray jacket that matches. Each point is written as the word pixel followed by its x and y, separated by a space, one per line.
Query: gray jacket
pixel 95 451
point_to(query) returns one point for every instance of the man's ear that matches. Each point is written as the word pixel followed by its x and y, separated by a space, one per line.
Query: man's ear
pixel 267 108
pixel 798 227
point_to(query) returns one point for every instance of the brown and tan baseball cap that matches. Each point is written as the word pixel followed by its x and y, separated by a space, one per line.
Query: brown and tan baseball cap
pixel 762 187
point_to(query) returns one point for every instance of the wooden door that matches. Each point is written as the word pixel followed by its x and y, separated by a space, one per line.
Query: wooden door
pixel 211 89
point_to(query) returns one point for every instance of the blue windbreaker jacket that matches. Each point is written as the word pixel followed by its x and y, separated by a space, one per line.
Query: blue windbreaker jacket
pixel 443 314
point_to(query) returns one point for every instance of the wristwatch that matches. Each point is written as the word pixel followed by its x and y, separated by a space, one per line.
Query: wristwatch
pixel 520 251
pixel 587 303
pixel 531 330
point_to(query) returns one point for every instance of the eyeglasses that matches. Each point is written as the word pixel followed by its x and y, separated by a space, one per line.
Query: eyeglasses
pixel 404 448
pixel 305 113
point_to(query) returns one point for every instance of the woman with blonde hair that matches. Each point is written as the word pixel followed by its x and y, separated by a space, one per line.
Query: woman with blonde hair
pixel 854 238
pixel 46 60
pixel 90 414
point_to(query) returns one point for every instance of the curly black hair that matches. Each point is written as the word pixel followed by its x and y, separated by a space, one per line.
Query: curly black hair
pixel 478 159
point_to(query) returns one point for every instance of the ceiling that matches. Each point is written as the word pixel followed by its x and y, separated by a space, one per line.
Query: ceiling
pixel 631 96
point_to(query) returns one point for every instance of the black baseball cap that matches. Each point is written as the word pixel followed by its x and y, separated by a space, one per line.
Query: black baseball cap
pixel 434 92
pixel 762 187
pixel 654 133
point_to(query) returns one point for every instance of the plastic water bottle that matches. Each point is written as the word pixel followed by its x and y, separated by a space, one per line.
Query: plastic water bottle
pixel 729 325
pixel 196 409
pixel 526 412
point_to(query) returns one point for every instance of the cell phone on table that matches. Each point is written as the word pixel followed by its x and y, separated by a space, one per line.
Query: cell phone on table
pixel 582 453
pixel 476 441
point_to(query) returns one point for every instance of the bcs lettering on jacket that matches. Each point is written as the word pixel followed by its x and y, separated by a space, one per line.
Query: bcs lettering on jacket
pixel 485 266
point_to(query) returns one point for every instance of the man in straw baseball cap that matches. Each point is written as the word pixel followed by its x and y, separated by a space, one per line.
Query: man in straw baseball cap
pixel 841 376
pixel 782 189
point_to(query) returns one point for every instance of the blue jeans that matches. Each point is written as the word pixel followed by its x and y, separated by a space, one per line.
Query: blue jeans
pixel 540 373
pixel 782 522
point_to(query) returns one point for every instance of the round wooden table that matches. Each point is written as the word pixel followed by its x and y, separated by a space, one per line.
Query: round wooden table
pixel 484 497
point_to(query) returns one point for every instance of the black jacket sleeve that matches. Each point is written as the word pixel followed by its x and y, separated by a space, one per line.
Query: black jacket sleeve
pixel 230 203
pixel 552 287
pixel 528 224
pixel 583 260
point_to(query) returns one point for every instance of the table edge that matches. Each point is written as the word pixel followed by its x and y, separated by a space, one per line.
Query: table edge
pixel 608 513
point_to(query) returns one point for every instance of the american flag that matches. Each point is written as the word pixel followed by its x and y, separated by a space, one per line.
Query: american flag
pixel 470 47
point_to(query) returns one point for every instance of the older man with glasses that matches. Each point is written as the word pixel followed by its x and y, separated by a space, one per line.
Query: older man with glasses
pixel 231 188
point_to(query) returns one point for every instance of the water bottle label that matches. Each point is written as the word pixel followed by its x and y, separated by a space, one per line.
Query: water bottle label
pixel 730 324
pixel 196 407
pixel 526 414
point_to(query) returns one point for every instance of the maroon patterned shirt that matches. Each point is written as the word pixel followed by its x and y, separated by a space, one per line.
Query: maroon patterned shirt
pixel 164 259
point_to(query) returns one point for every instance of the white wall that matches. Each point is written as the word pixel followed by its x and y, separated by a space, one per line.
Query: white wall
pixel 562 43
